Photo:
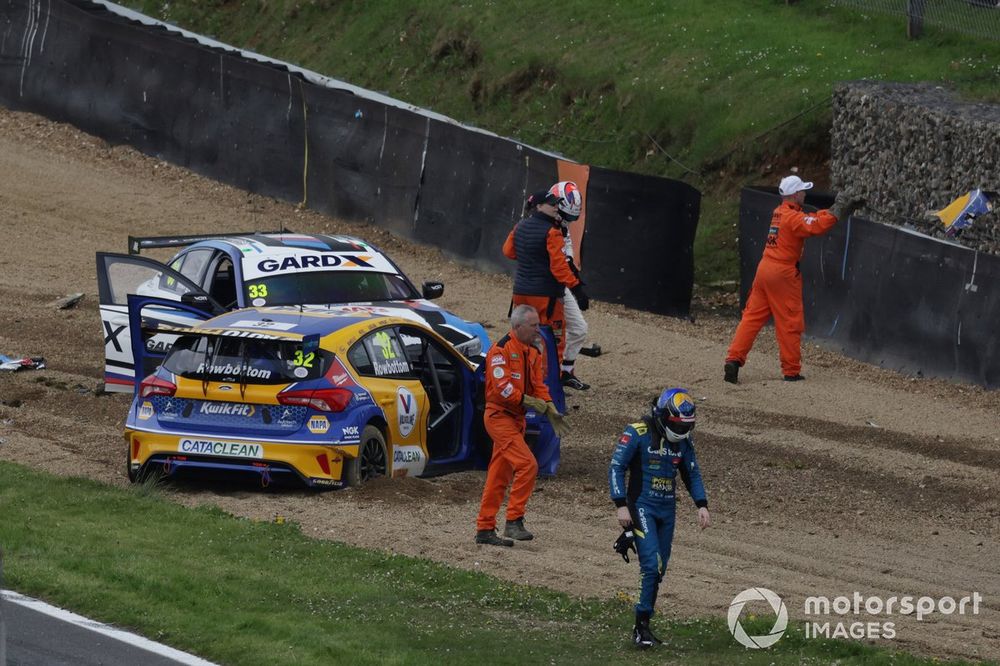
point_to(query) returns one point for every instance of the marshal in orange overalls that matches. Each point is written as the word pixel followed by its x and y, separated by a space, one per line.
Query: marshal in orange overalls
pixel 777 287
pixel 513 370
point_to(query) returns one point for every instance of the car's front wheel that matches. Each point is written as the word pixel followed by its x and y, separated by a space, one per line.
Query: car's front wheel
pixel 372 460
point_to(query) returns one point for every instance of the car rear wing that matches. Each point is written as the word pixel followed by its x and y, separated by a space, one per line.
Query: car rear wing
pixel 233 332
pixel 137 244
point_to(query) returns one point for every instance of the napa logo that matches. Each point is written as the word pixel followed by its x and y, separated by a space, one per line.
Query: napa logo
pixel 406 411
pixel 146 410
pixel 318 425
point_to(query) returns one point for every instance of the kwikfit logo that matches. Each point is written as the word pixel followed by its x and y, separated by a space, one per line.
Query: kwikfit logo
pixel 226 409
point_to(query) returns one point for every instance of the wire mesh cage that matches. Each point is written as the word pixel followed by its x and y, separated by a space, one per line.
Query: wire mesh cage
pixel 978 18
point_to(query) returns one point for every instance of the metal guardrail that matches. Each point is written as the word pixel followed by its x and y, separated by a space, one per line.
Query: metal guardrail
pixel 978 18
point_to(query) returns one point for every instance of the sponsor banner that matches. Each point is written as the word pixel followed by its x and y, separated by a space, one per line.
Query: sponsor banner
pixel 211 447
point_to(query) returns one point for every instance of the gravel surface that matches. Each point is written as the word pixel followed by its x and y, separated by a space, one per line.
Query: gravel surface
pixel 858 479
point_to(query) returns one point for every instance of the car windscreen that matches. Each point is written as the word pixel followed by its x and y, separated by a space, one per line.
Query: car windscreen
pixel 321 287
pixel 250 360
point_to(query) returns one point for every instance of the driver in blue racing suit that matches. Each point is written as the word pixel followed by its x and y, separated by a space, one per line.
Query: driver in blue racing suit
pixel 654 452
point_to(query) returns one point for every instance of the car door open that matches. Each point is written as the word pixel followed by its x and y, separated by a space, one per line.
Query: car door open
pixel 172 299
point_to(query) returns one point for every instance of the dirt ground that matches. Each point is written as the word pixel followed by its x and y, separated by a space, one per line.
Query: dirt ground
pixel 858 479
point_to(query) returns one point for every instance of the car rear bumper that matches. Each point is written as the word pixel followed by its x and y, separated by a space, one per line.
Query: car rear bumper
pixel 320 465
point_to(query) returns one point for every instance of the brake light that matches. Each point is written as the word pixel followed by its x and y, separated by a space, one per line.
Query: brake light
pixel 325 400
pixel 153 385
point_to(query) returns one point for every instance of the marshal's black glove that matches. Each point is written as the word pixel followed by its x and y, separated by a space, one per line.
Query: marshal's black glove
pixel 581 296
pixel 624 543
pixel 846 203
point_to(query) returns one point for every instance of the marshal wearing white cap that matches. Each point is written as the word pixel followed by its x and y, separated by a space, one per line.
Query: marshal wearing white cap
pixel 777 287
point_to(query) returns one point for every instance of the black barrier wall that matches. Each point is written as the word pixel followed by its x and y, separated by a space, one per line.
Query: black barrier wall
pixel 277 130
pixel 887 295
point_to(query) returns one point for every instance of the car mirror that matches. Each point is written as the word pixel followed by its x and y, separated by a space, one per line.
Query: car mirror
pixel 199 301
pixel 432 290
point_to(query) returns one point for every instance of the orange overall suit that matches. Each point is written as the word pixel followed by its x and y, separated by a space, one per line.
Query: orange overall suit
pixel 777 287
pixel 513 370
pixel 542 274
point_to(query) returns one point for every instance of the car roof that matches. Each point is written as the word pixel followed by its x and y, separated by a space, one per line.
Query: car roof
pixel 294 323
pixel 264 255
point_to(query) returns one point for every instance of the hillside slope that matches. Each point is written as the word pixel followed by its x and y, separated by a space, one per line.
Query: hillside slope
pixel 718 94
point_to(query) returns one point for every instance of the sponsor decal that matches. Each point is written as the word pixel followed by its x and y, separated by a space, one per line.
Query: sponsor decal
pixel 406 414
pixel 286 419
pixel 258 302
pixel 146 410
pixel 326 482
pixel 625 439
pixel 407 454
pixel 313 261
pixel 232 369
pixel 350 432
pixel 157 345
pixel 225 387
pixel 408 460
pixel 227 409
pixel 256 323
pixel 395 366
pixel 300 372
pixel 498 373
pixel 216 448
pixel 507 390
pixel 339 379
pixel 497 360
pixel 662 484
pixel 515 375
pixel 318 424
pixel 239 334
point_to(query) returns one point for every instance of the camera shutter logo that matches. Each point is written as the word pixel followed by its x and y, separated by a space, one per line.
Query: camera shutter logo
pixel 780 622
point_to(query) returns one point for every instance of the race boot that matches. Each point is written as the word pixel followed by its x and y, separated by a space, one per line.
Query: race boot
pixel 570 380
pixel 490 538
pixel 515 530
pixel 641 635
pixel 732 372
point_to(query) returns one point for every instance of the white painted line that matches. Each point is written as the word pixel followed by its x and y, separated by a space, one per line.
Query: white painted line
pixel 106 630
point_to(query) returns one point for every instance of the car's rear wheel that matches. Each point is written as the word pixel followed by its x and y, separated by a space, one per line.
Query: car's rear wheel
pixel 372 460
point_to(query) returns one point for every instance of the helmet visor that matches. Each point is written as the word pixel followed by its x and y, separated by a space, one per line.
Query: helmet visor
pixel 679 425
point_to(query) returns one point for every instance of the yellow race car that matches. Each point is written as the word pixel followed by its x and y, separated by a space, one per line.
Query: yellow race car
pixel 283 393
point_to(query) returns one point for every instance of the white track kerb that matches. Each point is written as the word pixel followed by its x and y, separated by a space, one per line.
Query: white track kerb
pixel 8 596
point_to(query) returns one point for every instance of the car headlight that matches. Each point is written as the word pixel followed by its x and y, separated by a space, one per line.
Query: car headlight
pixel 470 348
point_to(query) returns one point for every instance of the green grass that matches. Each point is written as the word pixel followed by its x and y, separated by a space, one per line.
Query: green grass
pixel 611 82
pixel 244 592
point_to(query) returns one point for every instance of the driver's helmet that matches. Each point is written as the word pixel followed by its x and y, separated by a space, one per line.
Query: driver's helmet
pixel 570 200
pixel 673 414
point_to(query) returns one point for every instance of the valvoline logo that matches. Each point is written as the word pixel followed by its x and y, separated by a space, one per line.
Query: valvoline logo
pixel 406 411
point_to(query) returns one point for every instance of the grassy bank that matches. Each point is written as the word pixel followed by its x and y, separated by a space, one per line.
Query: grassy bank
pixel 243 592
pixel 715 93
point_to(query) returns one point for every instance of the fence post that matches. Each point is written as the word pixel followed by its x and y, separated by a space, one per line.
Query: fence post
pixel 915 18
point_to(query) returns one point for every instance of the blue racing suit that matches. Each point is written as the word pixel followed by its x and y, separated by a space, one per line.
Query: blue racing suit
pixel 653 465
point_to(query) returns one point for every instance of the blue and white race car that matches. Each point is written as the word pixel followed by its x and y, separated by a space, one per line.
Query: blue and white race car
pixel 218 273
